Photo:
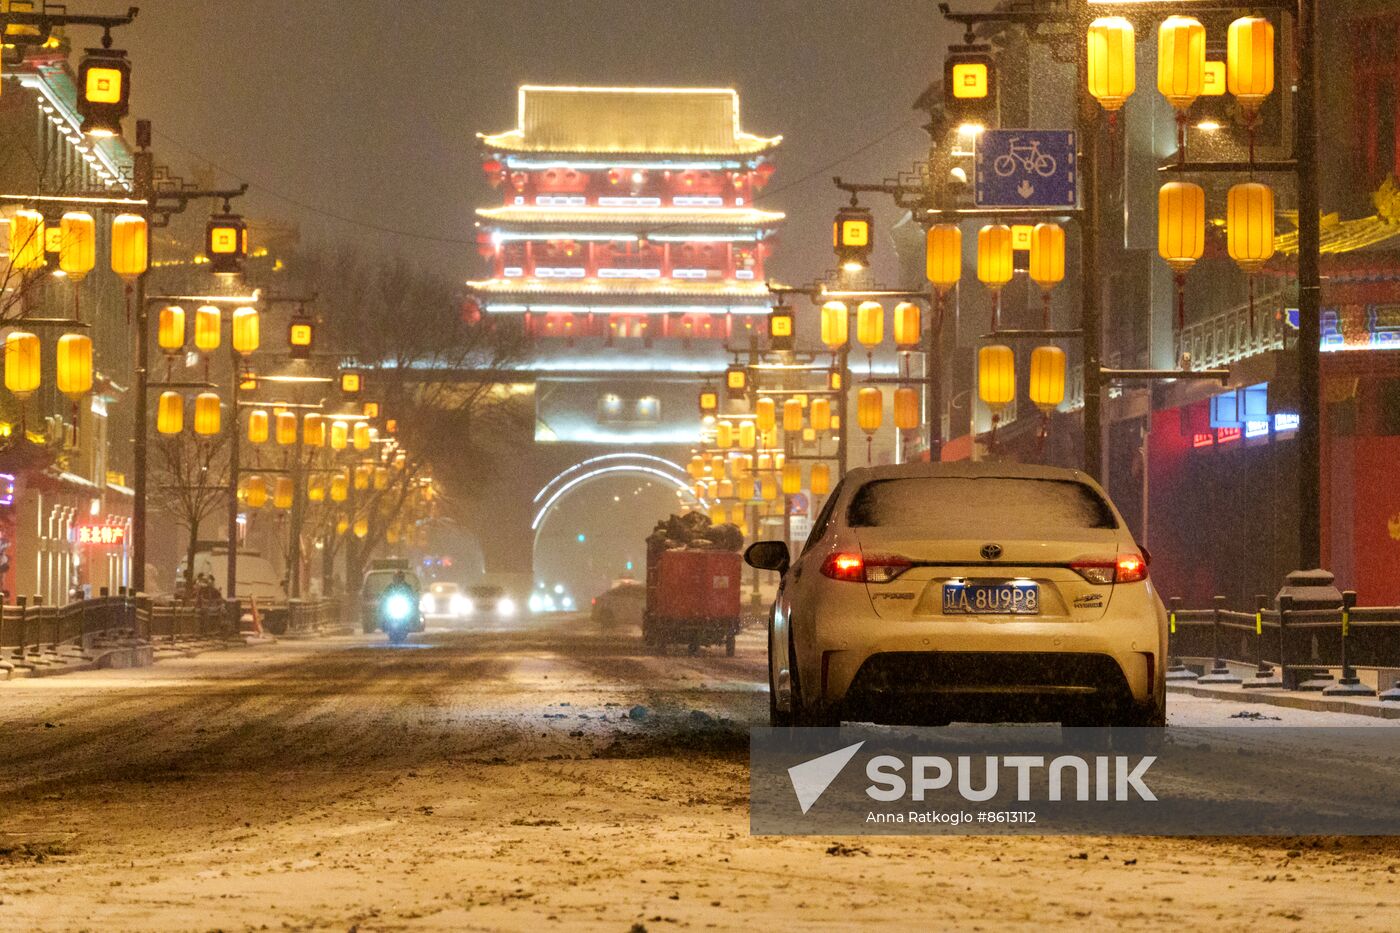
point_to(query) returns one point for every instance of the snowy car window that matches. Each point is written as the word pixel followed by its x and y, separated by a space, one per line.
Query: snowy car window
pixel 965 507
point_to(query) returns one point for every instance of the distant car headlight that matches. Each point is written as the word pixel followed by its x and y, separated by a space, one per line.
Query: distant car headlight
pixel 460 605
pixel 505 606
pixel 568 604
pixel 425 602
pixel 398 607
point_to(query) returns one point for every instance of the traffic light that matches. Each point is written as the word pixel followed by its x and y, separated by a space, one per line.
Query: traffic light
pixel 301 336
pixel 736 383
pixel 351 383
pixel 970 86
pixel 226 243
pixel 781 328
pixel 709 401
pixel 851 236
pixel 104 91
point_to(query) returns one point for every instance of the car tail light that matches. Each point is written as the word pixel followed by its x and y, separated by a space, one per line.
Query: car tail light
pixel 884 569
pixel 844 566
pixel 1127 567
pixel 1132 568
pixel 856 568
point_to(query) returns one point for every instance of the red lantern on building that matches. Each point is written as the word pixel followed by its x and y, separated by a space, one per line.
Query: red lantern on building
pixel 519 180
pixel 495 172
pixel 764 173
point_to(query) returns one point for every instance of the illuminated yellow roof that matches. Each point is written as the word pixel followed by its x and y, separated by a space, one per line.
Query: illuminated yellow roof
pixel 728 216
pixel 1345 236
pixel 655 120
pixel 666 288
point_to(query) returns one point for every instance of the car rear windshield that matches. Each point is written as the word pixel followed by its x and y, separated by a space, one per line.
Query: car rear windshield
pixel 487 592
pixel 968 507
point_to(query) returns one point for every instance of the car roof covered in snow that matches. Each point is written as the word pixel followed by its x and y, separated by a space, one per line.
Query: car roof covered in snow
pixel 966 469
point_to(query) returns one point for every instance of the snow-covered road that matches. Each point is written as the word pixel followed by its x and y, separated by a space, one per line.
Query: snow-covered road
pixel 539 775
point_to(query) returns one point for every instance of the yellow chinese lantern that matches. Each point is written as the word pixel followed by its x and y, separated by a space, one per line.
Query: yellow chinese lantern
pixel 1181 224
pixel 792 415
pixel 340 487
pixel 738 514
pixel 170 413
pixel 1249 63
pixel 286 428
pixel 342 525
pixel 748 435
pixel 364 475
pixel 907 416
pixel 907 325
pixel 717 514
pixel 363 435
pixel 994 255
pixel 944 256
pixel 821 479
pixel 170 330
pixel 316 487
pixel 764 462
pixel 257 426
pixel 283 493
pixel 255 492
pixel 1250 225
pixel 23 366
pixel 1112 62
pixel 74 365
pixel 1181 60
pixel 726 489
pixel 696 467
pixel 766 414
pixel 1047 262
pixel 129 250
pixel 207 414
pixel 361 527
pixel 1047 381
pixel 724 435
pixel 996 376
pixel 870 409
pixel 381 478
pixel 768 487
pixel 27 241
pixel 870 324
pixel 340 435
pixel 245 330
pixel 313 430
pixel 792 479
pixel 207 326
pixel 836 322
pixel 740 467
pixel 821 414
pixel 1181 233
pixel 77 244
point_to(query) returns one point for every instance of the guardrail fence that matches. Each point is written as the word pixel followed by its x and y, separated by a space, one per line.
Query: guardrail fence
pixel 35 635
pixel 1290 649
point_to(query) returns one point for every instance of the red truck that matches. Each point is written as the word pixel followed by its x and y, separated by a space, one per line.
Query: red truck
pixel 692 596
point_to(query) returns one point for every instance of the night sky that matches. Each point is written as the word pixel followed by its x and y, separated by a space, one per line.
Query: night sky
pixel 367 109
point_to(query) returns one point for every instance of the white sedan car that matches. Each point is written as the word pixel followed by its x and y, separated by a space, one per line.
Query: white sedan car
pixel 968 592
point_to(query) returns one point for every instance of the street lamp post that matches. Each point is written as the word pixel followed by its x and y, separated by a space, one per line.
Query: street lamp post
pixel 1309 292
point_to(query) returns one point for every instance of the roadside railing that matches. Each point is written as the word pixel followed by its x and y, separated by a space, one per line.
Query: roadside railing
pixel 35 635
pixel 1289 648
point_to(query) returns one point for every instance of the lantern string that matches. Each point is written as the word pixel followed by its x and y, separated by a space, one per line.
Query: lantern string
pixel 1045 309
pixel 1181 137
pixel 1180 302
pixel 1251 306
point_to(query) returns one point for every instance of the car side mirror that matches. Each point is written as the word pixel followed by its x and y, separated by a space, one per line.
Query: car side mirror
pixel 1146 555
pixel 768 555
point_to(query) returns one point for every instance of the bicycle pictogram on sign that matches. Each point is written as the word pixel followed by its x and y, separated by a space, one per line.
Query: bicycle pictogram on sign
pixel 1026 168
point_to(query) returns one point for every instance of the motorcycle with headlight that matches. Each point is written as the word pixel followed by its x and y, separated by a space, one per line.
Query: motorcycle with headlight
pixel 398 613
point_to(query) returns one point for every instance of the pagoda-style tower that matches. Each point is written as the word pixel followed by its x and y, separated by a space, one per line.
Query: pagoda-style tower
pixel 629 244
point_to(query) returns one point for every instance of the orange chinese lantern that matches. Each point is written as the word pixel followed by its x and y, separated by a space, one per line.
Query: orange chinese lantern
pixel 907 325
pixel 1181 233
pixel 907 416
pixel 836 322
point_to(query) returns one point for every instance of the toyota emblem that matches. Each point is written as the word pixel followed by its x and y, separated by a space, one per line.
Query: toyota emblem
pixel 991 551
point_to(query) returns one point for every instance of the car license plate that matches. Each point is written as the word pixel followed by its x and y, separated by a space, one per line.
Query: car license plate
pixel 970 598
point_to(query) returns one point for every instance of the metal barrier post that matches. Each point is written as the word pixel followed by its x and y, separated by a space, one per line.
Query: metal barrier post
pixel 1175 669
pixel 1264 675
pixel 1349 685
pixel 1290 678
pixel 1219 671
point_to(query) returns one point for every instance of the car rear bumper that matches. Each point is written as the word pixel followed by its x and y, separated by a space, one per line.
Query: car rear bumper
pixel 1116 659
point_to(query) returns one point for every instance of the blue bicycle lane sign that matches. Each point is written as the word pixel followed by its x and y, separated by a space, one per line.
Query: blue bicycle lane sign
pixel 1026 168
